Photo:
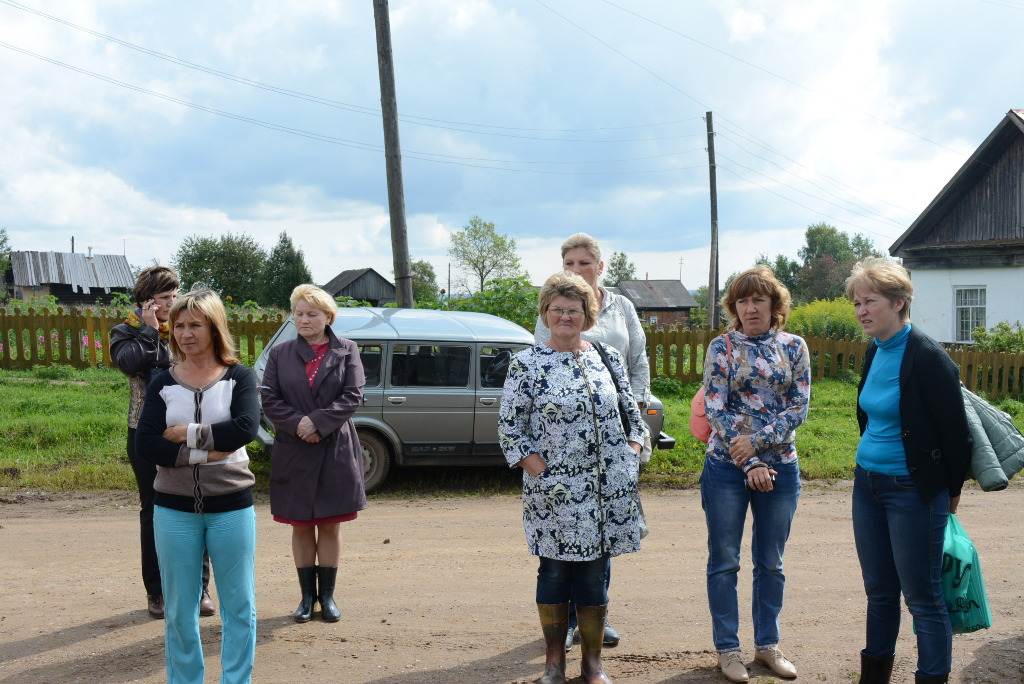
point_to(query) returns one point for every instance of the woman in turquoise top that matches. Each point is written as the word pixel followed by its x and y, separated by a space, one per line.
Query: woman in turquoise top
pixel 911 463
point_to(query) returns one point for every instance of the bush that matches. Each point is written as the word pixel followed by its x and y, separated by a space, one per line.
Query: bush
pixel 55 372
pixel 1002 336
pixel 666 387
pixel 824 318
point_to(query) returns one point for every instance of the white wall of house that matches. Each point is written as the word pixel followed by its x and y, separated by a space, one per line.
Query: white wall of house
pixel 934 309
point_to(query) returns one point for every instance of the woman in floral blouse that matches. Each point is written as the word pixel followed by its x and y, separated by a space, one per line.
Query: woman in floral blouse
pixel 757 382
pixel 578 441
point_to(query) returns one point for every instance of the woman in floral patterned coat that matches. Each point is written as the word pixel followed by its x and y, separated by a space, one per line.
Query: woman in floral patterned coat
pixel 757 382
pixel 578 441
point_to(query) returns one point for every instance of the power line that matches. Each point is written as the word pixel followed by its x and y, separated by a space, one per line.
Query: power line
pixel 354 108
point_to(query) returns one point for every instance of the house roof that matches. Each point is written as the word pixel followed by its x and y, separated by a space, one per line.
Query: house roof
pixel 346 278
pixel 72 268
pixel 657 294
pixel 979 164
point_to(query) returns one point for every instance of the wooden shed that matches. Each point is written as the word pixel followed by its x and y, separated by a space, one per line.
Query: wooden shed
pixel 658 302
pixel 364 284
pixel 965 252
pixel 75 279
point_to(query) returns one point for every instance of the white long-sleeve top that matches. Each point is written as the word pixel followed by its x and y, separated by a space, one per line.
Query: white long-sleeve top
pixel 618 326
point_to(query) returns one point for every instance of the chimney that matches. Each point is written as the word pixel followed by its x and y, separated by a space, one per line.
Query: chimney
pixel 90 251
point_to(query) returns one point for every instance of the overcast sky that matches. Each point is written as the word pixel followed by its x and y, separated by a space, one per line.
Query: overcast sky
pixel 546 117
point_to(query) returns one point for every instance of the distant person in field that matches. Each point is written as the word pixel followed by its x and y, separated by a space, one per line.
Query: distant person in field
pixel 198 417
pixel 757 382
pixel 138 348
pixel 575 430
pixel 913 457
pixel 618 326
pixel 312 387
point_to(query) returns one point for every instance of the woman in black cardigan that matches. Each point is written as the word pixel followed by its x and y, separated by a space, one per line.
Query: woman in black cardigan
pixel 912 460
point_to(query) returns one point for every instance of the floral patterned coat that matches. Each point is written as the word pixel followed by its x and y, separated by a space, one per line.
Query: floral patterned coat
pixel 565 408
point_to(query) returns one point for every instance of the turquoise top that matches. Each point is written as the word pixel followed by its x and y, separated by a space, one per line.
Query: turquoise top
pixel 881 447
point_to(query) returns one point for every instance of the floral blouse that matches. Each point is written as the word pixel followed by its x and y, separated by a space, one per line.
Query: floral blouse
pixel 565 408
pixel 763 391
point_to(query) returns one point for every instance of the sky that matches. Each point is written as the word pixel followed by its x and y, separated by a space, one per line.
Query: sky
pixel 546 117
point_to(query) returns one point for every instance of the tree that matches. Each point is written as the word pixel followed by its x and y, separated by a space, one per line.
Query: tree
pixel 821 239
pixel 824 278
pixel 619 268
pixel 864 247
pixel 283 270
pixel 699 316
pixel 425 289
pixel 483 253
pixel 230 265
pixel 5 263
pixel 784 268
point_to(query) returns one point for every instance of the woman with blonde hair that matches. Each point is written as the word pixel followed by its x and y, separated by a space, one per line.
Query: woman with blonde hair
pixel 912 459
pixel 197 419
pixel 617 326
pixel 569 419
pixel 757 382
pixel 312 386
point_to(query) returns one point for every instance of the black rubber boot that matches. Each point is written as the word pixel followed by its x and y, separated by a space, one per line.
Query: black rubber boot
pixel 307 582
pixel 875 669
pixel 328 608
pixel 934 679
pixel 554 620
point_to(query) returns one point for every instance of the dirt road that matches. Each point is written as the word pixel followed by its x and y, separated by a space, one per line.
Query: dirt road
pixel 450 597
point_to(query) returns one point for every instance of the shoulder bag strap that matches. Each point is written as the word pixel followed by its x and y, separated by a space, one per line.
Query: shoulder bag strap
pixel 615 381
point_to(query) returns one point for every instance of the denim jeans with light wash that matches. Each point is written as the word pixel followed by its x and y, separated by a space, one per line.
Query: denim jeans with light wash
pixel 725 499
pixel 899 542
pixel 586 581
pixel 231 540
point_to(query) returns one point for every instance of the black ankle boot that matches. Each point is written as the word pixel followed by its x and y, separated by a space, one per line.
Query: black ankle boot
pixel 934 679
pixel 307 582
pixel 875 669
pixel 328 608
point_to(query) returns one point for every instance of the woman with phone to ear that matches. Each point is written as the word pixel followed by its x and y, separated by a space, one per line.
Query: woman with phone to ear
pixel 757 389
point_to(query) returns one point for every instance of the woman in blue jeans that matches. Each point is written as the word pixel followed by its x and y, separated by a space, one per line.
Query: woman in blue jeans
pixel 569 419
pixel 757 382
pixel 913 456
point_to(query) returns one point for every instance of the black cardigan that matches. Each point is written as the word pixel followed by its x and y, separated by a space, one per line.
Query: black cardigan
pixel 936 438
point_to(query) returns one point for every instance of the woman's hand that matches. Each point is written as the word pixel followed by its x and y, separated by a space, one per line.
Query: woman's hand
pixel 306 430
pixel 760 478
pixel 312 439
pixel 214 456
pixel 533 464
pixel 954 501
pixel 741 449
pixel 636 446
pixel 149 308
pixel 178 434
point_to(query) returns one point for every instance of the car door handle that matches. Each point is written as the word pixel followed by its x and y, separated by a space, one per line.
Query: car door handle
pixel 488 401
pixel 396 401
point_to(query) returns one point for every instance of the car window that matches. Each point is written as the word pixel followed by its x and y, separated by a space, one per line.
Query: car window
pixel 370 355
pixel 494 365
pixel 423 365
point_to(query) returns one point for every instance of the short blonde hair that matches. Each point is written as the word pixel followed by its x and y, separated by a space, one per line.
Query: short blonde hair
pixel 207 303
pixel 758 280
pixel 883 277
pixel 568 284
pixel 582 241
pixel 316 298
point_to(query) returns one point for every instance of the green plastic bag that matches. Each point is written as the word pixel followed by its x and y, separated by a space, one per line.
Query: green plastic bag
pixel 963 585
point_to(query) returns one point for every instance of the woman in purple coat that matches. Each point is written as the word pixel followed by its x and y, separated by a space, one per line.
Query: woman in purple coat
pixel 311 388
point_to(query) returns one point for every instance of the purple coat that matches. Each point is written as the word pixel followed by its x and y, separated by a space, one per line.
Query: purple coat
pixel 325 479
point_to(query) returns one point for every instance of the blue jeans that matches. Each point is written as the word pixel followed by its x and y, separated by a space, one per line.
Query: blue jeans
pixel 585 581
pixel 573 622
pixel 725 498
pixel 231 540
pixel 899 542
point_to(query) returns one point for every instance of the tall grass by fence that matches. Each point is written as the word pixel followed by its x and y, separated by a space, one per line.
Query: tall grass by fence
pixel 679 353
pixel 81 337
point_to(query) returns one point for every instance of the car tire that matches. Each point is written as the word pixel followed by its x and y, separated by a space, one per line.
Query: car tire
pixel 376 460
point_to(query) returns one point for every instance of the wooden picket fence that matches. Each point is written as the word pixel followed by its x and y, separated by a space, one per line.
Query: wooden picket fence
pixel 679 353
pixel 81 337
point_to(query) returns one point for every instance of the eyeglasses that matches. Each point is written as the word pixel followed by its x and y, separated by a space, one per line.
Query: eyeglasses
pixel 559 312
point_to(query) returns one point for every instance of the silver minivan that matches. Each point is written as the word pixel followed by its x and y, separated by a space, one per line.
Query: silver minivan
pixel 433 386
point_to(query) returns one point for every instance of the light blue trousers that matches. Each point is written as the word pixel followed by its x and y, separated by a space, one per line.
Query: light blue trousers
pixel 231 541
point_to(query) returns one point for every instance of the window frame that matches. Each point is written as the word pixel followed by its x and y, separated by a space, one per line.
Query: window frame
pixel 972 309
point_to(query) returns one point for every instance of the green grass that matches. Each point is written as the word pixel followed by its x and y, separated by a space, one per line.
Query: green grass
pixel 64 429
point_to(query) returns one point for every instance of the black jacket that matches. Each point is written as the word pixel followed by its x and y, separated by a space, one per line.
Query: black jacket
pixel 936 439
pixel 138 353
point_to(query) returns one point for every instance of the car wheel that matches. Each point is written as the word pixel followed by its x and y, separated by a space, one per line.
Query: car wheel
pixel 376 460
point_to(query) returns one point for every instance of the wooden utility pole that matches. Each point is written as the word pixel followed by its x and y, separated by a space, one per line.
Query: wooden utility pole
pixel 713 274
pixel 393 156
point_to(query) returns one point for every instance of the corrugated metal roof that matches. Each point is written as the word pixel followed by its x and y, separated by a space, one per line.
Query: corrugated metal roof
pixel 82 273
pixel 657 294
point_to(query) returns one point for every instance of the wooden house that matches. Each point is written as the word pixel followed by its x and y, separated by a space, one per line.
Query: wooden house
pixel 364 284
pixel 658 302
pixel 965 252
pixel 75 279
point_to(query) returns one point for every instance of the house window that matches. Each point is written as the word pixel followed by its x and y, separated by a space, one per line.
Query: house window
pixel 970 312
pixel 654 320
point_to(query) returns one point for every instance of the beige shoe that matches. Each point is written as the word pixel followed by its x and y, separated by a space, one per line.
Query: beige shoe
pixel 776 662
pixel 733 667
